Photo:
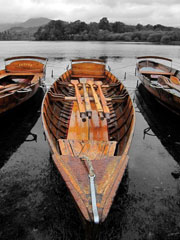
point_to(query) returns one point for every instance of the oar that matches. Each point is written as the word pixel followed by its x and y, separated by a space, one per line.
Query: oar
pixel 79 100
pixel 165 81
pixel 86 98
pixel 96 99
pixel 103 100
pixel 9 88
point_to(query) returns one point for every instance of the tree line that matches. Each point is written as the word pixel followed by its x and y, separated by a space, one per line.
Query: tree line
pixel 101 31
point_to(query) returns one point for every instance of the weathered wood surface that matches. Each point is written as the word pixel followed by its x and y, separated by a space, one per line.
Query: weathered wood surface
pixel 96 99
pixel 156 73
pixel 86 69
pixel 92 149
pixel 81 106
pixel 61 98
pixel 93 129
pixel 103 100
pixel 25 66
pixel 86 97
pixel 155 57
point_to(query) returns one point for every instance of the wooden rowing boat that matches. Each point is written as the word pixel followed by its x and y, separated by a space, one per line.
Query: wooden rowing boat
pixel 20 80
pixel 162 81
pixel 88 118
pixel 167 131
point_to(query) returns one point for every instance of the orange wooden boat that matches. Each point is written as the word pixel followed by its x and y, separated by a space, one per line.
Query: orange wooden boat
pixel 20 80
pixel 162 81
pixel 88 118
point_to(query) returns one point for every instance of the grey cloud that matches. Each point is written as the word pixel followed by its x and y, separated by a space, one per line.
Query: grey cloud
pixel 131 11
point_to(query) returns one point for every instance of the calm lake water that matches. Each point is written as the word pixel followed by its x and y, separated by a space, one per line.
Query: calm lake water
pixel 35 204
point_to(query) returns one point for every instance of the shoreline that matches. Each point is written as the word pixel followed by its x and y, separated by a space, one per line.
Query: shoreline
pixel 122 42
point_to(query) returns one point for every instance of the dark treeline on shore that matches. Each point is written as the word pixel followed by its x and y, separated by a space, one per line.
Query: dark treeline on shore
pixel 102 31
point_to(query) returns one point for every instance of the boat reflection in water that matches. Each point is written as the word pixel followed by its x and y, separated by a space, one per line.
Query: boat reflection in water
pixel 164 124
pixel 16 125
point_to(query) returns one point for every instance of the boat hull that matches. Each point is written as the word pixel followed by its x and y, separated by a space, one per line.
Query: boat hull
pixel 20 80
pixel 95 145
pixel 13 100
pixel 166 96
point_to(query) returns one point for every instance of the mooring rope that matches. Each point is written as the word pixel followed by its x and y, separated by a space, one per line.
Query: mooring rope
pixel 92 188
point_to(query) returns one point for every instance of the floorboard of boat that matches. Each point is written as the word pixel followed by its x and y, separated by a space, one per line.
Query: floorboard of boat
pixel 93 129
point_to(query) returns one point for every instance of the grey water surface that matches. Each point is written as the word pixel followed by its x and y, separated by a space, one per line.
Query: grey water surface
pixel 34 201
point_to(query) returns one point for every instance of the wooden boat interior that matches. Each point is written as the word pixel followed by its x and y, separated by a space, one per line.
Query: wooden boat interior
pixel 152 70
pixel 162 81
pixel 88 115
pixel 20 72
pixel 69 121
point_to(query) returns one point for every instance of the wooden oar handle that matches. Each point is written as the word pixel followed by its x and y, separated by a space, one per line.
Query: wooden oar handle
pixel 175 80
pixel 79 100
pixel 103 100
pixel 87 102
pixel 165 81
pixel 96 99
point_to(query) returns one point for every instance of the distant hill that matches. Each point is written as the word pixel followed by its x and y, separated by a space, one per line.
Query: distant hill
pixel 32 22
pixel 22 31
pixel 6 26
pixel 35 22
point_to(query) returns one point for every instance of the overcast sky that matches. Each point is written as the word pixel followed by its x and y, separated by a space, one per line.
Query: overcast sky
pixel 166 12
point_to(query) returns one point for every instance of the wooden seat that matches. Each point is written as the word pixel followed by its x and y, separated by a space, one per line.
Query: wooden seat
pixel 94 150
pixel 156 73
pixel 86 76
pixel 86 69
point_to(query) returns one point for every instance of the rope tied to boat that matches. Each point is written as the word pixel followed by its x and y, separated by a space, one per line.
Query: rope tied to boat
pixel 92 188
pixel 89 165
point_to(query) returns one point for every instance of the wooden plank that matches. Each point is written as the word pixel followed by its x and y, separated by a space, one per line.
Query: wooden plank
pixel 103 100
pixel 156 57
pixel 96 99
pixel 103 85
pixel 94 150
pixel 94 128
pixel 10 88
pixel 24 57
pixel 156 73
pixel 65 147
pixel 86 98
pixel 85 75
pixel 88 60
pixel 87 69
pixel 77 128
pixel 25 66
pixel 79 100
pixel 61 98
